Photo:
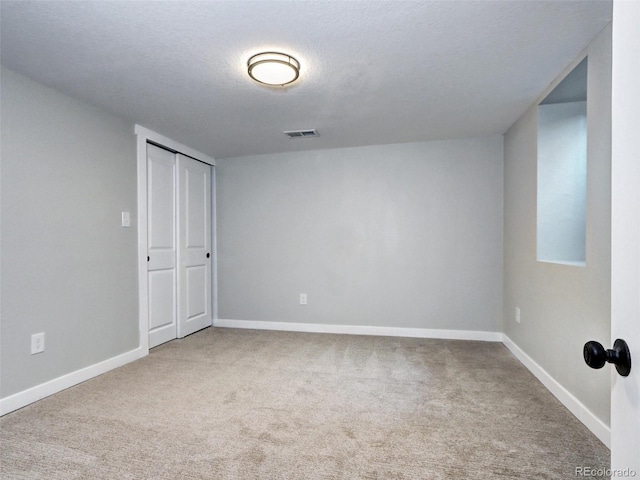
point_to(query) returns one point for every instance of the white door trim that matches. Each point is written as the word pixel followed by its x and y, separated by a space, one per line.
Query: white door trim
pixel 144 136
pixel 153 137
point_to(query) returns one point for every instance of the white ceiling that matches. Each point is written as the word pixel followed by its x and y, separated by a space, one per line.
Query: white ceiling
pixel 373 72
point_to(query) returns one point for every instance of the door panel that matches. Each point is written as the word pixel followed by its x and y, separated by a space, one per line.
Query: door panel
pixel 194 245
pixel 160 173
pixel 625 235
pixel 161 240
pixel 162 291
pixel 196 184
pixel 196 282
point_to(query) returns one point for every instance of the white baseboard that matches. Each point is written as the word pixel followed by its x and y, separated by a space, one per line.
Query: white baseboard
pixel 361 330
pixel 582 413
pixel 24 398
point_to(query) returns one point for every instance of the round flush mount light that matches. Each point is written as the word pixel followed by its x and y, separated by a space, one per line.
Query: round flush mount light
pixel 273 68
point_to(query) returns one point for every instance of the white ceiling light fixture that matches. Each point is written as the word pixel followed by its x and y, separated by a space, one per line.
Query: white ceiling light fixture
pixel 273 68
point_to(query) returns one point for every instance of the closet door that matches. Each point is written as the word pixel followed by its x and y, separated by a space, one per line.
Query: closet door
pixel 161 241
pixel 194 245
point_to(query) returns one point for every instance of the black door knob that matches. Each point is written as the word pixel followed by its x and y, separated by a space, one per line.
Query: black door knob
pixel 596 356
pixel 208 255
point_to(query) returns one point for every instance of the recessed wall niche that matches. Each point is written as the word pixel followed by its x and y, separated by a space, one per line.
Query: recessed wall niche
pixel 562 171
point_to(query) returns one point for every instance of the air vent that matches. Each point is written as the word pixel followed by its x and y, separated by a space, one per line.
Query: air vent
pixel 302 133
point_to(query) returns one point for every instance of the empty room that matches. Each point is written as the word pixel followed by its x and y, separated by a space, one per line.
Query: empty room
pixel 329 239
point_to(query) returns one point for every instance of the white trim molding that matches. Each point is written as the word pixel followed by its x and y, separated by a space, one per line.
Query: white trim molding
pixel 575 406
pixel 360 330
pixel 31 395
pixel 153 137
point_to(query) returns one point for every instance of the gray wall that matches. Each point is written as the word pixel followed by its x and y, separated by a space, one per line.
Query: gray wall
pixel 403 235
pixel 562 306
pixel 68 267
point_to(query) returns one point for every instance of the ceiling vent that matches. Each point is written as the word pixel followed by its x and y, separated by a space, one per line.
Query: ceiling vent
pixel 302 133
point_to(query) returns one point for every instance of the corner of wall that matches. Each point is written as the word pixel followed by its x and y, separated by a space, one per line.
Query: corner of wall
pixel 562 306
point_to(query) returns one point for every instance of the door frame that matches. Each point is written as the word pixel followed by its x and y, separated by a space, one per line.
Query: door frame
pixel 143 137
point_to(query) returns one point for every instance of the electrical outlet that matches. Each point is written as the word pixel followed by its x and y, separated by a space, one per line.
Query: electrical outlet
pixel 37 343
pixel 517 314
pixel 303 299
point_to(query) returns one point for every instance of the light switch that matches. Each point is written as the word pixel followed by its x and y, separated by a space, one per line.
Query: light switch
pixel 126 219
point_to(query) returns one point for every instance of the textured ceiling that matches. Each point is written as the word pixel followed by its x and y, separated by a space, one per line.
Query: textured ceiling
pixel 372 72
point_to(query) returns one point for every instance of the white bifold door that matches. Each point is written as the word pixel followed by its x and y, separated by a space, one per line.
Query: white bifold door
pixel 179 245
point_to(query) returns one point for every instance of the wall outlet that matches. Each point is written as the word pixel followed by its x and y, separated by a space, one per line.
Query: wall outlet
pixel 517 315
pixel 303 299
pixel 37 343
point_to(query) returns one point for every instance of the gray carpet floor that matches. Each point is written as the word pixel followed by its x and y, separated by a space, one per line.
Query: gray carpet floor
pixel 243 404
